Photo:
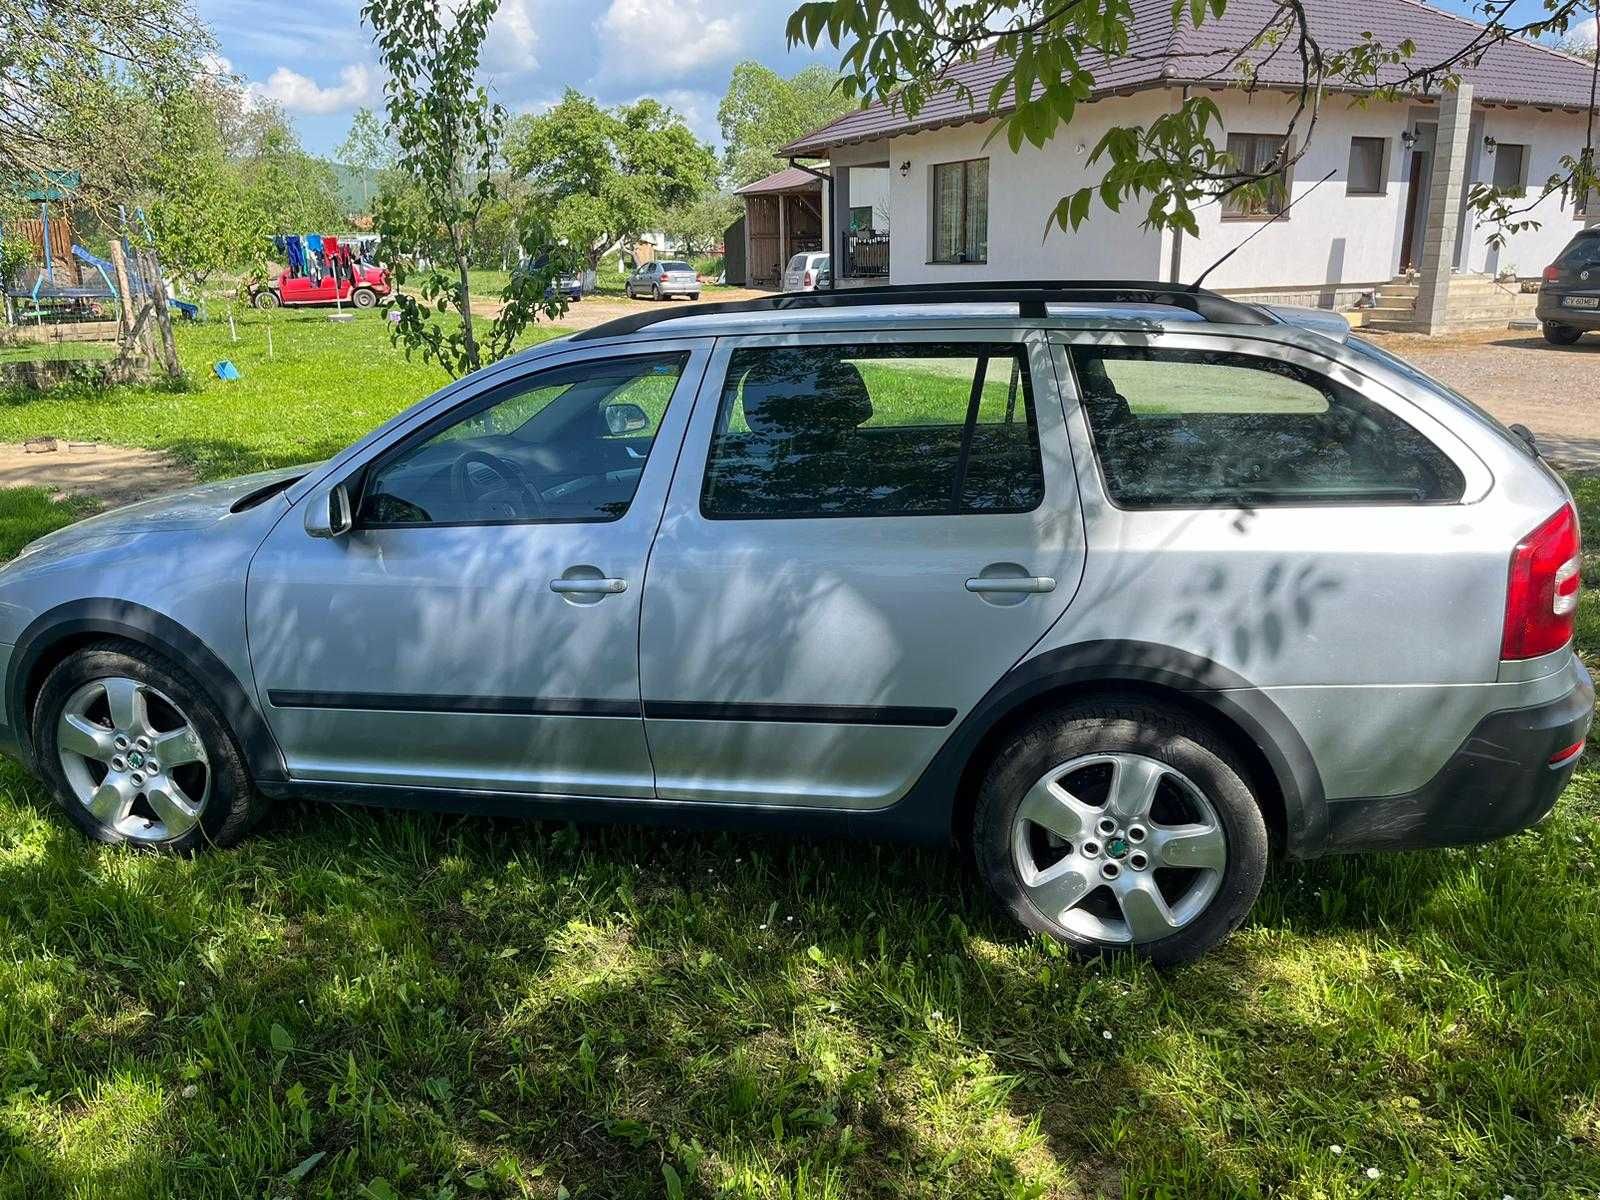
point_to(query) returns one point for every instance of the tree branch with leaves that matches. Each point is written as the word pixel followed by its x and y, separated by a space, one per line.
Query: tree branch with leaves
pixel 446 132
pixel 1050 54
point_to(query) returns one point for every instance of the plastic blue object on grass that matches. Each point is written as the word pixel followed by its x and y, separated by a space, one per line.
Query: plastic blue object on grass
pixel 226 370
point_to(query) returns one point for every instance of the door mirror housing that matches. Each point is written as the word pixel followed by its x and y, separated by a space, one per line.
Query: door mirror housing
pixel 623 419
pixel 328 512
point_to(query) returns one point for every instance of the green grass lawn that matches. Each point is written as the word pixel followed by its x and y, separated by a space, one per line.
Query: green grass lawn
pixel 379 1005
pixel 323 385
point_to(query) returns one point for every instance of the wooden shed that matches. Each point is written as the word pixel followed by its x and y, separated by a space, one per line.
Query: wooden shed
pixel 783 217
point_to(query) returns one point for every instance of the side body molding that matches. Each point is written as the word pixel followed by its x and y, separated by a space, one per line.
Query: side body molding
pixel 121 618
pixel 926 812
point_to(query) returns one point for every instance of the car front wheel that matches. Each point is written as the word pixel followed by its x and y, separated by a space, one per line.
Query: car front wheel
pixel 1122 826
pixel 1561 335
pixel 266 298
pixel 138 753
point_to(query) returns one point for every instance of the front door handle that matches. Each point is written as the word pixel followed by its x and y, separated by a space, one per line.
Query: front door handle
pixel 1012 584
pixel 589 587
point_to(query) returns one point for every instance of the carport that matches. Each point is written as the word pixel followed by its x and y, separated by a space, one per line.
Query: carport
pixel 783 217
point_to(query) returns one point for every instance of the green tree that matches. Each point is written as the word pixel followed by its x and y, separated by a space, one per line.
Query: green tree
pixel 602 176
pixel 79 76
pixel 1049 53
pixel 446 133
pixel 696 227
pixel 224 173
pixel 762 111
pixel 368 149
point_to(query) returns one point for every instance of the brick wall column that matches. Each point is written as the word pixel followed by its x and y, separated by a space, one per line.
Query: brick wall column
pixel 1446 190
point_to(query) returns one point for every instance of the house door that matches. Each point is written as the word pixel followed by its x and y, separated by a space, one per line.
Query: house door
pixel 1416 213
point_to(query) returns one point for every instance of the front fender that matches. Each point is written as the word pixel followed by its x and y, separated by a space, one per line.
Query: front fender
pixel 50 635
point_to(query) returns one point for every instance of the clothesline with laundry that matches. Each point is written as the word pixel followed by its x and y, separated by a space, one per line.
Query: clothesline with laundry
pixel 317 256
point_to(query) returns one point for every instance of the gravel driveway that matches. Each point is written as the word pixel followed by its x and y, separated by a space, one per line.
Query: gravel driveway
pixel 1518 376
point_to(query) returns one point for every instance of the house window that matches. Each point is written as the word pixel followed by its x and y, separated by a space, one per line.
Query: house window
pixel 961 211
pixel 1369 156
pixel 860 217
pixel 1511 168
pixel 1252 152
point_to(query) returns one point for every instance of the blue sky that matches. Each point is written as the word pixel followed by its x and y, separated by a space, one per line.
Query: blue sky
pixel 315 58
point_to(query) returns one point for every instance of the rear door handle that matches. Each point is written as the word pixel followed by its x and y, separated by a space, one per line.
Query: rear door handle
pixel 589 587
pixel 1012 584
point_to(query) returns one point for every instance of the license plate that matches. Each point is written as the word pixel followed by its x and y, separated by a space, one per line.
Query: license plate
pixel 1582 301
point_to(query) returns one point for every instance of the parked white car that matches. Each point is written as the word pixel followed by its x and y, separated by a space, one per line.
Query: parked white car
pixel 807 272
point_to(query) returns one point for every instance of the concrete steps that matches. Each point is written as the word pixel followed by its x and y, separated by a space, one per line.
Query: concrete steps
pixel 1476 302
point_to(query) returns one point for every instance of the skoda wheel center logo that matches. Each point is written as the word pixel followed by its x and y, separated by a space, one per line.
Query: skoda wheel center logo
pixel 1117 847
pixel 135 758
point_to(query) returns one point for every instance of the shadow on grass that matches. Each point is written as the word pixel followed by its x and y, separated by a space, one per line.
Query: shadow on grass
pixel 498 1005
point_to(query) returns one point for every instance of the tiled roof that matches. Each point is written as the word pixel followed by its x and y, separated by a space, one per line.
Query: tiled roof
pixel 787 180
pixel 1512 72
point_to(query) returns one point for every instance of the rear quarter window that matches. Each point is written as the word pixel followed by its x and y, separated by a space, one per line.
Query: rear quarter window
pixel 1199 428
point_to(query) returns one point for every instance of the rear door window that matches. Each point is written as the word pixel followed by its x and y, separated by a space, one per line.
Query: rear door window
pixel 1194 428
pixel 874 431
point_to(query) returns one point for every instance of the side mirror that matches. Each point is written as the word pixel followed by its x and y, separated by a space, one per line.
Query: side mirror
pixel 328 512
pixel 623 419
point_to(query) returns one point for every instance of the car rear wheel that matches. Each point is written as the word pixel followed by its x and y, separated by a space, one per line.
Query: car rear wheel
pixel 655 291
pixel 138 754
pixel 1122 826
pixel 364 298
pixel 265 298
pixel 1561 335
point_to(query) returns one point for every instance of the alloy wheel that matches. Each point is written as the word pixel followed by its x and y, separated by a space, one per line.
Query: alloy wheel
pixel 133 759
pixel 1118 848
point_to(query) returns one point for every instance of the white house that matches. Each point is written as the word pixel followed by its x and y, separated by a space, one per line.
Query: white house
pixel 962 206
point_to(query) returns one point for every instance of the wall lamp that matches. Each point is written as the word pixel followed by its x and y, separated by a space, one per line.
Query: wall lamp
pixel 1408 139
pixel 1489 145
pixel 905 168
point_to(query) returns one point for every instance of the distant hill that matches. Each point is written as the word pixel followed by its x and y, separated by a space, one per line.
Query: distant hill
pixel 351 197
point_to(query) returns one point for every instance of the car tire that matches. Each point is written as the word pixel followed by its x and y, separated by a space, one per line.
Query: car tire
pixel 266 298
pixel 101 769
pixel 1561 335
pixel 655 292
pixel 694 295
pixel 1090 872
pixel 364 298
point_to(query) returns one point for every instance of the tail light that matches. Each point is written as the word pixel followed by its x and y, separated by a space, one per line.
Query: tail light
pixel 807 280
pixel 1552 274
pixel 1542 589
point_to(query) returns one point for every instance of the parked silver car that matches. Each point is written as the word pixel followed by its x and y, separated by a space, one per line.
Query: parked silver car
pixel 1125 587
pixel 808 272
pixel 663 280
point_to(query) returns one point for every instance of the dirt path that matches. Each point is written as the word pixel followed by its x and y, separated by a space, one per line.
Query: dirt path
pixel 1519 377
pixel 113 475
pixel 593 310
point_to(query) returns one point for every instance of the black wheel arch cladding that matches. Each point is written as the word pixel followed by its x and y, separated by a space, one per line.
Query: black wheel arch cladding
pixel 52 634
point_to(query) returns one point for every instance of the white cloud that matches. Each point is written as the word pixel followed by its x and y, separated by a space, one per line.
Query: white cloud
pixel 213 63
pixel 358 85
pixel 1586 32
pixel 656 40
pixel 513 39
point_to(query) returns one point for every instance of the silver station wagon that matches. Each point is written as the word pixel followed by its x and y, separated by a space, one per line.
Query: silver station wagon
pixel 1126 587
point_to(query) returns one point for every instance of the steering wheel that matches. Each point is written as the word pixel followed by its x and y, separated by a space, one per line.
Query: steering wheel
pixel 514 498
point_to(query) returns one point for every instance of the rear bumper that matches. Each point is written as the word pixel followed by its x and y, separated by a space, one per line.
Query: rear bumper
pixel 1552 310
pixel 1500 781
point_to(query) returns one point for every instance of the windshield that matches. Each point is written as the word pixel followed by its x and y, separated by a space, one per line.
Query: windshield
pixel 676 266
pixel 1428 383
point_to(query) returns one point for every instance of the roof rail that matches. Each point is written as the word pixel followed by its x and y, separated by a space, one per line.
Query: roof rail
pixel 1030 296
